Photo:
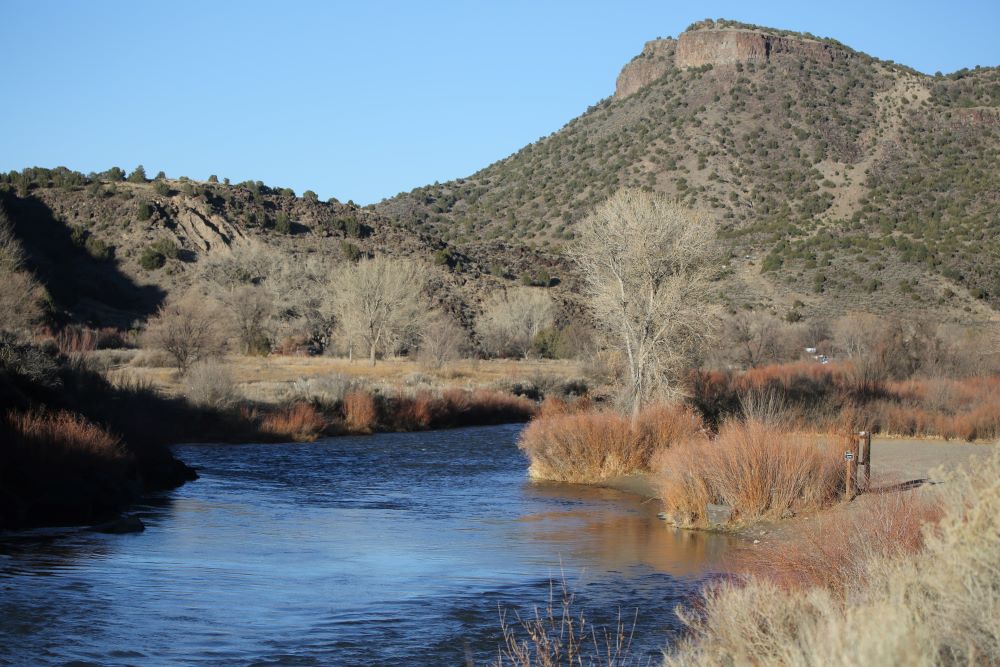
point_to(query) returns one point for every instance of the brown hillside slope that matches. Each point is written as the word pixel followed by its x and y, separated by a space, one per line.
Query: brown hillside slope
pixel 839 181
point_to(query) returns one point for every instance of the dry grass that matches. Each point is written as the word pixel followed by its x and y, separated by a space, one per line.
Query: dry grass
pixel 937 605
pixel 584 447
pixel 558 636
pixel 272 379
pixel 822 395
pixel 834 549
pixel 759 469
pixel 300 422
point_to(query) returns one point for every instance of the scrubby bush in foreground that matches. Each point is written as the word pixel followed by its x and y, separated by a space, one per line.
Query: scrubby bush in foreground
pixel 938 606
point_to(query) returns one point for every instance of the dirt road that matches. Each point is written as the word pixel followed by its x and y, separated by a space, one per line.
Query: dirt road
pixel 903 460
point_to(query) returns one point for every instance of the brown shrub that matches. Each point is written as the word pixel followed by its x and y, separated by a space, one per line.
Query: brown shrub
pixel 300 422
pixel 415 413
pixel 758 469
pixel 66 433
pixel 456 407
pixel 832 551
pixel 360 412
pixel 594 446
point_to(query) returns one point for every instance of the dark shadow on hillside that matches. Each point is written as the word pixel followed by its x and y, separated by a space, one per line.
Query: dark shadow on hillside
pixel 84 290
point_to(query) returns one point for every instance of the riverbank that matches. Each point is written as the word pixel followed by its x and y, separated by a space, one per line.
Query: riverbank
pixel 85 436
pixel 887 582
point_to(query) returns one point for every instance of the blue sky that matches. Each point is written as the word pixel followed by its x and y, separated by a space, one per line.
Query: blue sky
pixel 363 100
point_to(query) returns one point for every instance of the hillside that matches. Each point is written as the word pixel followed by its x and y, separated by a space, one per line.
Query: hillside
pixel 838 181
pixel 108 251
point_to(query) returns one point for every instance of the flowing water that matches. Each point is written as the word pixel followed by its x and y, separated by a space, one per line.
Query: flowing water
pixel 394 549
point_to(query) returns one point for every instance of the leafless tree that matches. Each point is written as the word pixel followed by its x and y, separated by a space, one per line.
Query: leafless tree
pixel 511 320
pixel 271 295
pixel 379 302
pixel 188 329
pixel 857 334
pixel 755 337
pixel 443 341
pixel 20 294
pixel 647 263
pixel 250 308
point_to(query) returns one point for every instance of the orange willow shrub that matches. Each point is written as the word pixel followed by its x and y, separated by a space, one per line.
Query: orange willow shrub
pixel 360 412
pixel 965 409
pixel 757 468
pixel 451 408
pixel 64 435
pixel 300 422
pixel 594 446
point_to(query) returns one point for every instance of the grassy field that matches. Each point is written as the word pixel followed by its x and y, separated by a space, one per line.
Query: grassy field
pixel 272 379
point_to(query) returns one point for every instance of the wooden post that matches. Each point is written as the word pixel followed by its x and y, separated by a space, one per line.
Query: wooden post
pixel 851 481
pixel 866 456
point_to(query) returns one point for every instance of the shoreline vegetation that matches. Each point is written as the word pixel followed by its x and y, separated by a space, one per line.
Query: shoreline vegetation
pixel 767 442
pixel 82 442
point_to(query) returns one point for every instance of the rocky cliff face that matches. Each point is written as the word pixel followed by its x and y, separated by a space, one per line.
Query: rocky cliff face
pixel 656 59
pixel 718 47
pixel 730 46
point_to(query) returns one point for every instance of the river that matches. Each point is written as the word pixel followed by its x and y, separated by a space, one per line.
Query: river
pixel 393 549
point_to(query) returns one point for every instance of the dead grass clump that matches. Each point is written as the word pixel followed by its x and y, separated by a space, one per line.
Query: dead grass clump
pixel 759 469
pixel 360 412
pixel 586 447
pixel 56 467
pixel 559 636
pixel 937 605
pixel 300 422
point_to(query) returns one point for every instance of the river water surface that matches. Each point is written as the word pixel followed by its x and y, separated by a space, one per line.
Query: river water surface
pixel 393 549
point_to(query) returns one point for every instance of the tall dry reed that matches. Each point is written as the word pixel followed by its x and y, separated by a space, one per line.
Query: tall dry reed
pixel 586 447
pixel 757 468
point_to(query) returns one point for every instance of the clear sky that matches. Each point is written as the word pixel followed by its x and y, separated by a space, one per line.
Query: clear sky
pixel 362 100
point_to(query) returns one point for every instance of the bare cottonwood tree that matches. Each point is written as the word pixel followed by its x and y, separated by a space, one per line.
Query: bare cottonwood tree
pixel 250 308
pixel 646 263
pixel 442 341
pixel 857 334
pixel 755 336
pixel 511 320
pixel 271 295
pixel 379 302
pixel 20 295
pixel 188 329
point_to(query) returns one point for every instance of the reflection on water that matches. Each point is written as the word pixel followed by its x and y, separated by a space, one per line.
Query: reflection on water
pixel 391 549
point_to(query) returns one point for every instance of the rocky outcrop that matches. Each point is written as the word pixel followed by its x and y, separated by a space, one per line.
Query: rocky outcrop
pixel 656 59
pixel 730 46
pixel 206 233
